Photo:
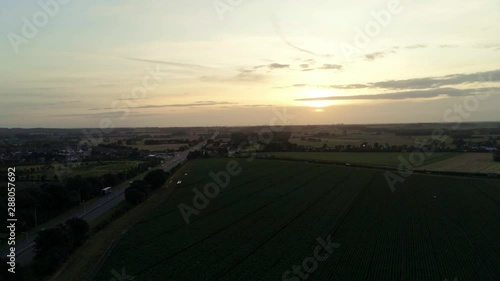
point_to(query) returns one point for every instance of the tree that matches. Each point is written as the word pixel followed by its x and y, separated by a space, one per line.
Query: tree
pixel 496 156
pixel 156 178
pixel 79 229
pixel 82 186
pixel 63 198
pixel 110 179
pixel 52 247
pixel 194 154
pixel 137 192
pixel 55 237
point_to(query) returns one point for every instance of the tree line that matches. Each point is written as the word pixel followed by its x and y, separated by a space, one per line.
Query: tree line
pixel 139 190
pixel 53 246
pixel 37 205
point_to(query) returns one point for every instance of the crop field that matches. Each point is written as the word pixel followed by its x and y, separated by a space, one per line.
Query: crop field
pixel 389 159
pixel 467 162
pixel 275 216
pixel 356 138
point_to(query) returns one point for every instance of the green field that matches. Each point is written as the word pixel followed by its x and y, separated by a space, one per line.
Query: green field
pixel 389 159
pixel 271 216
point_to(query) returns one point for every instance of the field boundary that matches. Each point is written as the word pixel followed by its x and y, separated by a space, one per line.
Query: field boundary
pixel 105 256
pixel 387 168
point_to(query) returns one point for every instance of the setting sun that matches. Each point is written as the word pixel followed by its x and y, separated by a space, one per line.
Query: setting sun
pixel 319 103
pixel 318 94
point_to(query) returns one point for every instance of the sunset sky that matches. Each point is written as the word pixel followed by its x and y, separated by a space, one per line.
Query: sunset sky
pixel 207 63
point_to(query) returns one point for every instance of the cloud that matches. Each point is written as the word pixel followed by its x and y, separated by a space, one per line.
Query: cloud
pixel 193 104
pixel 249 106
pixel 422 94
pixel 448 46
pixel 393 50
pixel 272 66
pixel 331 66
pixel 278 66
pixel 108 114
pixel 375 55
pixel 310 61
pixel 350 86
pixel 429 82
pixel 326 66
pixel 242 76
pixel 176 64
pixel 435 82
pixel 416 83
pixel 279 31
pixel 417 46
pixel 495 46
pixel 63 102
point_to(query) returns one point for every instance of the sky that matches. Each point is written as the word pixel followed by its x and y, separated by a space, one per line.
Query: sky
pixel 148 63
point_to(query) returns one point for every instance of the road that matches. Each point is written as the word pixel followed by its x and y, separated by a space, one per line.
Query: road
pixel 91 211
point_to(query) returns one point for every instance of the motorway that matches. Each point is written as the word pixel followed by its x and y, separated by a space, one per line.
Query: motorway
pixel 90 212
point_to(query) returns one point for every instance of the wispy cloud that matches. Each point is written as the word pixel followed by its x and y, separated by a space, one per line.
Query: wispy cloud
pixel 193 104
pixel 242 76
pixel 377 55
pixel 176 64
pixel 494 46
pixel 393 50
pixel 331 66
pixel 422 94
pixel 108 114
pixel 279 31
pixel 416 46
pixel 61 102
pixel 435 82
pixel 278 66
pixel 419 83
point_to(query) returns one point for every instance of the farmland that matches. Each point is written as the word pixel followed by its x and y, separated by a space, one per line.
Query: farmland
pixel 84 169
pixel 159 147
pixel 467 162
pixel 271 216
pixel 373 158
